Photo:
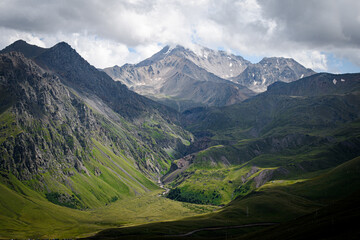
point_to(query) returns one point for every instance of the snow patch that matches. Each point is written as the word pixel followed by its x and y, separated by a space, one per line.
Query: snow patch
pixel 302 75
pixel 263 80
pixel 343 80
pixel 334 81
pixel 171 47
pixel 230 64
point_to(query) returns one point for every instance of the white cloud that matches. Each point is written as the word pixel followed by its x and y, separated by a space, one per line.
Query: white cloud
pixel 312 59
pixel 104 31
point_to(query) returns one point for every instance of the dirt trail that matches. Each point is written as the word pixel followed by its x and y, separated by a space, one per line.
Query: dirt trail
pixel 222 228
pixel 161 184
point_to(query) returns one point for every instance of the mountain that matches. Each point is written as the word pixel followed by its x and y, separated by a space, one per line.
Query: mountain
pixel 72 134
pixel 173 76
pixel 264 108
pixel 270 70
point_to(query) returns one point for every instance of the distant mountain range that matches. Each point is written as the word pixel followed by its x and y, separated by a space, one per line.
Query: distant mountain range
pixel 182 79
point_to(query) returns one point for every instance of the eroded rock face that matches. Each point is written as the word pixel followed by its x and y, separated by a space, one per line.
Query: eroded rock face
pixel 51 121
pixel 178 167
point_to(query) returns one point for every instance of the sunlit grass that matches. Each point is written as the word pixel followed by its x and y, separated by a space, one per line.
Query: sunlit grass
pixel 29 215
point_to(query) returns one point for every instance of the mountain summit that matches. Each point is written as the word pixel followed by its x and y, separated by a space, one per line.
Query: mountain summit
pixel 29 51
pixel 220 63
pixel 180 78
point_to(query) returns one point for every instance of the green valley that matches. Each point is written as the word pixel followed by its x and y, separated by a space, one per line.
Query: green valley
pixel 82 156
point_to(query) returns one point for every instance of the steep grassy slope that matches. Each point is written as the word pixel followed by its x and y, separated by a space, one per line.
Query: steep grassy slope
pixel 27 214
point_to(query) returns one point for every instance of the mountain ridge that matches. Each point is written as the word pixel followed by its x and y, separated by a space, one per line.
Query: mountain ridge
pixel 150 76
pixel 60 59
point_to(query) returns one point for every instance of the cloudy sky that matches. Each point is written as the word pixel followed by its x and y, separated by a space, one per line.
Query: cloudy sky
pixel 320 34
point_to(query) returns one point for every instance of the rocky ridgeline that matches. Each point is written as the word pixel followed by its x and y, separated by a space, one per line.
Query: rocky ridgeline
pixel 259 76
